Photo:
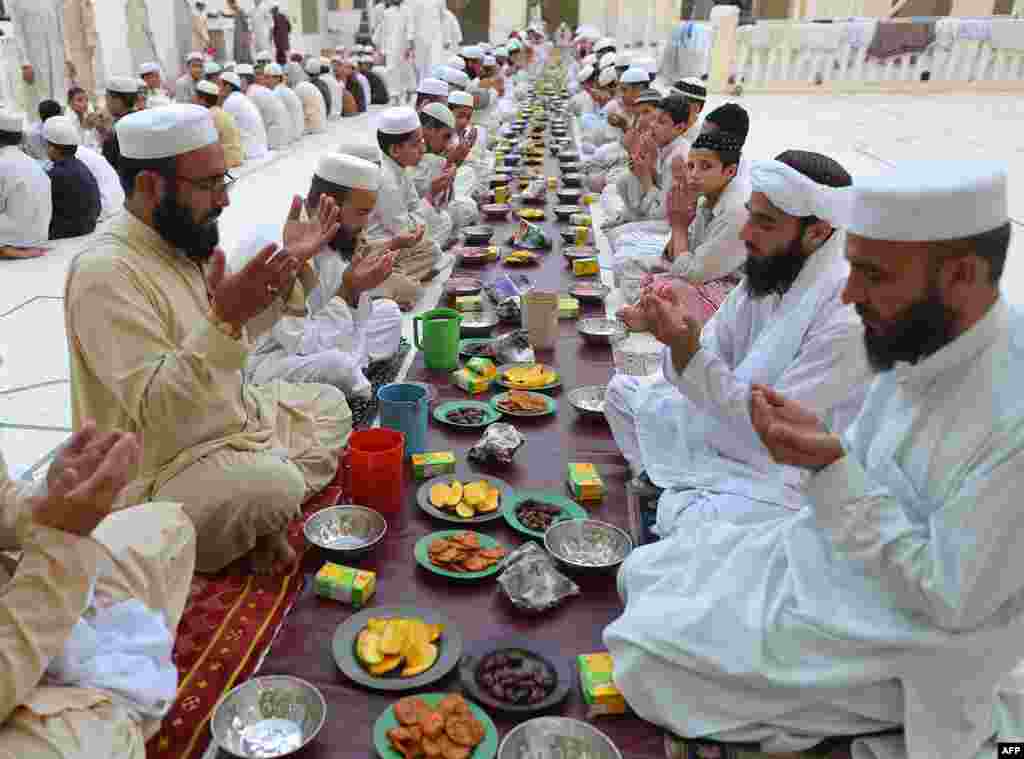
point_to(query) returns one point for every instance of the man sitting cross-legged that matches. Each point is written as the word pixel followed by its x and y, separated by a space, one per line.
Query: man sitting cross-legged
pixel 158 337
pixel 895 598
pixel 331 330
pixel 688 426
pixel 88 619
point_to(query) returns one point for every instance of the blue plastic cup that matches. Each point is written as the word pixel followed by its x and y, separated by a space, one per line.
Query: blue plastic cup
pixel 403 407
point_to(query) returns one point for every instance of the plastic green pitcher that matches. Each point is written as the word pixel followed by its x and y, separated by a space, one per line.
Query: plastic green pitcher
pixel 440 337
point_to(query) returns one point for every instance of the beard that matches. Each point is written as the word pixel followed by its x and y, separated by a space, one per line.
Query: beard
pixel 175 223
pixel 775 273
pixel 917 332
pixel 344 243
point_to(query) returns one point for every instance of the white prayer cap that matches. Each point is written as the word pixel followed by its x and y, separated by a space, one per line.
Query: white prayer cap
pixel 490 60
pixel 208 88
pixel 400 120
pixel 455 77
pixel 501 52
pixel 229 65
pixel 313 66
pixel 608 76
pixel 461 99
pixel 264 55
pixel 61 131
pixel 604 42
pixel 274 69
pixel 191 57
pixel 124 85
pixel 368 151
pixel 435 87
pixel 927 201
pixel 232 78
pixel 349 171
pixel 798 195
pixel 590 60
pixel 622 59
pixel 635 75
pixel 442 113
pixel 165 132
pixel 149 68
pixel 472 52
pixel 456 62
pixel 10 121
pixel 585 73
pixel 211 67
pixel 608 59
pixel 245 69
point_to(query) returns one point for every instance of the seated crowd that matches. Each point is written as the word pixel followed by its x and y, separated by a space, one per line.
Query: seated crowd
pixel 831 431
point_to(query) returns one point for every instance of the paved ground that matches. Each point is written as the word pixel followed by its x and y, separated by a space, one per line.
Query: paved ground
pixel 864 133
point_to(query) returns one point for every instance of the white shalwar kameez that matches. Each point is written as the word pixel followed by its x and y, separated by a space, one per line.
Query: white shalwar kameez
pixel 894 599
pixel 637 204
pixel 582 103
pixel 393 41
pixel 276 120
pixel 111 190
pixel 26 203
pixel 452 31
pixel 337 95
pixel 461 210
pixel 426 32
pixel 250 125
pixel 293 105
pixel 400 208
pixel 692 433
pixel 332 344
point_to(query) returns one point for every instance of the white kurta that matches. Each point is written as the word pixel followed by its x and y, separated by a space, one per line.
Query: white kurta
pixel 582 103
pixel 185 89
pixel 638 204
pixel 111 191
pixel 896 598
pixel 26 204
pixel 250 125
pixel 333 343
pixel 293 105
pixel 262 24
pixel 314 109
pixel 692 433
pixel 393 40
pixel 39 40
pixel 337 96
pixel 452 31
pixel 400 208
pixel 426 32
pixel 276 120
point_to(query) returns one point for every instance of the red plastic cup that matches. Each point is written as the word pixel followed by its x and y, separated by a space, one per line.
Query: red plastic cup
pixel 373 470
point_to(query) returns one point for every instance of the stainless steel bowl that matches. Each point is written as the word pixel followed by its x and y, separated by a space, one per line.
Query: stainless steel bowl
pixel 556 736
pixel 268 717
pixel 478 325
pixel 588 400
pixel 587 545
pixel 599 331
pixel 348 530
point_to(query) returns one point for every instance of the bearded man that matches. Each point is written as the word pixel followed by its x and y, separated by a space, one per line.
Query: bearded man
pixel 159 333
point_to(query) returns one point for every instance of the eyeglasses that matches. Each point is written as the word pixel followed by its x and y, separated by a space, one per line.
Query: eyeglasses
pixel 211 184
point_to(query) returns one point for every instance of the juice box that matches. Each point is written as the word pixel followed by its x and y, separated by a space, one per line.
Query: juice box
pixel 552 183
pixel 427 465
pixel 469 303
pixel 598 688
pixel 501 194
pixel 585 483
pixel 470 381
pixel 585 267
pixel 482 367
pixel 582 235
pixel 568 308
pixel 580 219
pixel 345 584
pixel 492 252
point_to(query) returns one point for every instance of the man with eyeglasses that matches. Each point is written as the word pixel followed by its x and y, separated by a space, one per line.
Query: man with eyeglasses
pixel 159 332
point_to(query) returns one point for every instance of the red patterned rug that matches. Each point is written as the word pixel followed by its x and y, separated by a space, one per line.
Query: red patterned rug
pixel 229 622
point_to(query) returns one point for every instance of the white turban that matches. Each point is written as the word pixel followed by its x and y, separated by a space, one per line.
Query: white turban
pixel 798 195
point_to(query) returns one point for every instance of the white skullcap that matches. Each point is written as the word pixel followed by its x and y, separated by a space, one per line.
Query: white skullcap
pixel 245 69
pixel 455 77
pixel 490 60
pixel 585 73
pixel 369 47
pixel 604 42
pixel 456 62
pixel 608 59
pixel 61 131
pixel 194 57
pixel 461 99
pixel 621 59
pixel 400 120
pixel 368 151
pixel 124 85
pixel 501 52
pixel 274 69
pixel 229 65
pixel 264 55
pixel 608 76
pixel 207 88
pixel 165 132
pixel 472 52
pixel 435 87
pixel 590 60
pixel 211 67
pixel 635 75
pixel 927 201
pixel 149 68
pixel 341 49
pixel 349 171
pixel 10 121
pixel 232 78
pixel 442 113
pixel 313 66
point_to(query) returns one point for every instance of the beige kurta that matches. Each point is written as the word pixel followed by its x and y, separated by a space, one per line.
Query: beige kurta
pixel 146 553
pixel 200 33
pixel 146 359
pixel 80 40
pixel 230 137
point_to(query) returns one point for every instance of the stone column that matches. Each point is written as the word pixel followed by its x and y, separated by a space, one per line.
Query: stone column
pixel 724 19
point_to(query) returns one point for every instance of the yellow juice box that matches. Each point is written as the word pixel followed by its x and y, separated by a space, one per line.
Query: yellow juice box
pixel 501 194
pixel 552 183
pixel 582 235
pixel 598 687
pixel 492 252
pixel 568 307
pixel 587 199
pixel 585 267
pixel 345 584
pixel 427 465
pixel 585 483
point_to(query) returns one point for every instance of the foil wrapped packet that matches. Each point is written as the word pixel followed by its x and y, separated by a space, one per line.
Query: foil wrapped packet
pixel 510 310
pixel 513 348
pixel 498 445
pixel 504 287
pixel 530 236
pixel 536 190
pixel 531 581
